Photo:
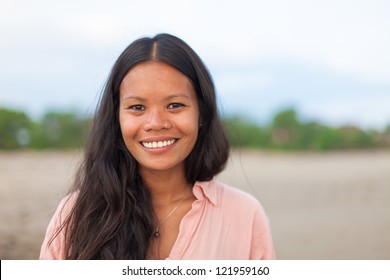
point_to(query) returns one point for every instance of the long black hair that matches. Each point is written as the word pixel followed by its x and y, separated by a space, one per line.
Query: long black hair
pixel 113 217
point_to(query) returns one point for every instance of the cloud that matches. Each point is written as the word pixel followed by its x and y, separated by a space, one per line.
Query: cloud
pixel 69 46
pixel 314 90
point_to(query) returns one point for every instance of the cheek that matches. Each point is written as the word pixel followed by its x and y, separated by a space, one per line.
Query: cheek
pixel 128 129
pixel 191 126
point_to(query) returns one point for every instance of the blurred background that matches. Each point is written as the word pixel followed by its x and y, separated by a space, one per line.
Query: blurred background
pixel 303 88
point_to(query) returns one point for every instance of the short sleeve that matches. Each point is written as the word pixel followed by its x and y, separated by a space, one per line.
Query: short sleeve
pixel 262 244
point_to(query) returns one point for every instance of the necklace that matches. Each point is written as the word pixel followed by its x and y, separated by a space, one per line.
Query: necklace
pixel 157 231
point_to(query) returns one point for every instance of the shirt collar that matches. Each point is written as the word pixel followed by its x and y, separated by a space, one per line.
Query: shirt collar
pixel 206 190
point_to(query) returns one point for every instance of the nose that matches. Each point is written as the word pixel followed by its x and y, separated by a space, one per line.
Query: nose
pixel 157 120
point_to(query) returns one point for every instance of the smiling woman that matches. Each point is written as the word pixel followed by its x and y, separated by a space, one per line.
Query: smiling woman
pixel 159 117
pixel 145 189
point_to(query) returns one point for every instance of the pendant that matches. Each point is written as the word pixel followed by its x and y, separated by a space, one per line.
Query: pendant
pixel 156 234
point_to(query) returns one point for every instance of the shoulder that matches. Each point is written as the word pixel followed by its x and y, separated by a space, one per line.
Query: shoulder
pixel 242 218
pixel 65 206
pixel 227 193
pixel 248 215
pixel 63 209
pixel 53 243
pixel 229 198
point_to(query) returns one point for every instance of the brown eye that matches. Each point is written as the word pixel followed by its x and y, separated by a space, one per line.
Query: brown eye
pixel 137 107
pixel 175 105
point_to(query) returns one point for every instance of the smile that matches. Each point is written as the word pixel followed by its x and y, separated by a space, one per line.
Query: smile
pixel 159 144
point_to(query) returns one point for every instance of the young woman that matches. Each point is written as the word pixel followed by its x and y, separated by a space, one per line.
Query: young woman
pixel 145 189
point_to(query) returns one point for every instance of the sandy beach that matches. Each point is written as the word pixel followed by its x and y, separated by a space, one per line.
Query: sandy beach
pixel 321 205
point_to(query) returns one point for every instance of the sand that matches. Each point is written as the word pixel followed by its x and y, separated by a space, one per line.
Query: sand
pixel 320 205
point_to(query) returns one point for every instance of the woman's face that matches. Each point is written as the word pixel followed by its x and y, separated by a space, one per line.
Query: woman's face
pixel 159 116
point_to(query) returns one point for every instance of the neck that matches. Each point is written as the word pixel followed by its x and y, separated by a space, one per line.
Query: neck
pixel 166 187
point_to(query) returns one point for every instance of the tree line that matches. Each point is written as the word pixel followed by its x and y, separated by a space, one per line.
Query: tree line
pixel 54 130
pixel 68 130
pixel 287 132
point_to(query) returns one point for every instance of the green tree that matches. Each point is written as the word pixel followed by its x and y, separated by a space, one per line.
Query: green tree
pixel 60 130
pixel 245 133
pixel 14 129
pixel 286 130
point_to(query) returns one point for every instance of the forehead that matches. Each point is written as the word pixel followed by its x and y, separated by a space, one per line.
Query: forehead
pixel 155 76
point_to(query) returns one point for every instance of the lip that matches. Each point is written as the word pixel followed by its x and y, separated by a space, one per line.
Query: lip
pixel 158 139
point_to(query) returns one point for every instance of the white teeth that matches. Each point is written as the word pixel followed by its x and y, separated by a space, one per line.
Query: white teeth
pixel 159 144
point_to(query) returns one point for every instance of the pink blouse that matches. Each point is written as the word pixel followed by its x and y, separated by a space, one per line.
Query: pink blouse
pixel 223 224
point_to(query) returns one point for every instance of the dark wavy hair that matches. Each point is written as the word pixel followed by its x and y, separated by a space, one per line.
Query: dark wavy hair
pixel 113 217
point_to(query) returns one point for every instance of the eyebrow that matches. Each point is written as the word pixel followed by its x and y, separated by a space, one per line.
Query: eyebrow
pixel 134 97
pixel 166 98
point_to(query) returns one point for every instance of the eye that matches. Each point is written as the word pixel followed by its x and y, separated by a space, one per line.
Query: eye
pixel 137 107
pixel 175 105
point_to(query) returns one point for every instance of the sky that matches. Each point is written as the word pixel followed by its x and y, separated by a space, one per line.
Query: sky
pixel 327 59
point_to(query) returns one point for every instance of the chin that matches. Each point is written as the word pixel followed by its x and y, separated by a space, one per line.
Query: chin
pixel 161 167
